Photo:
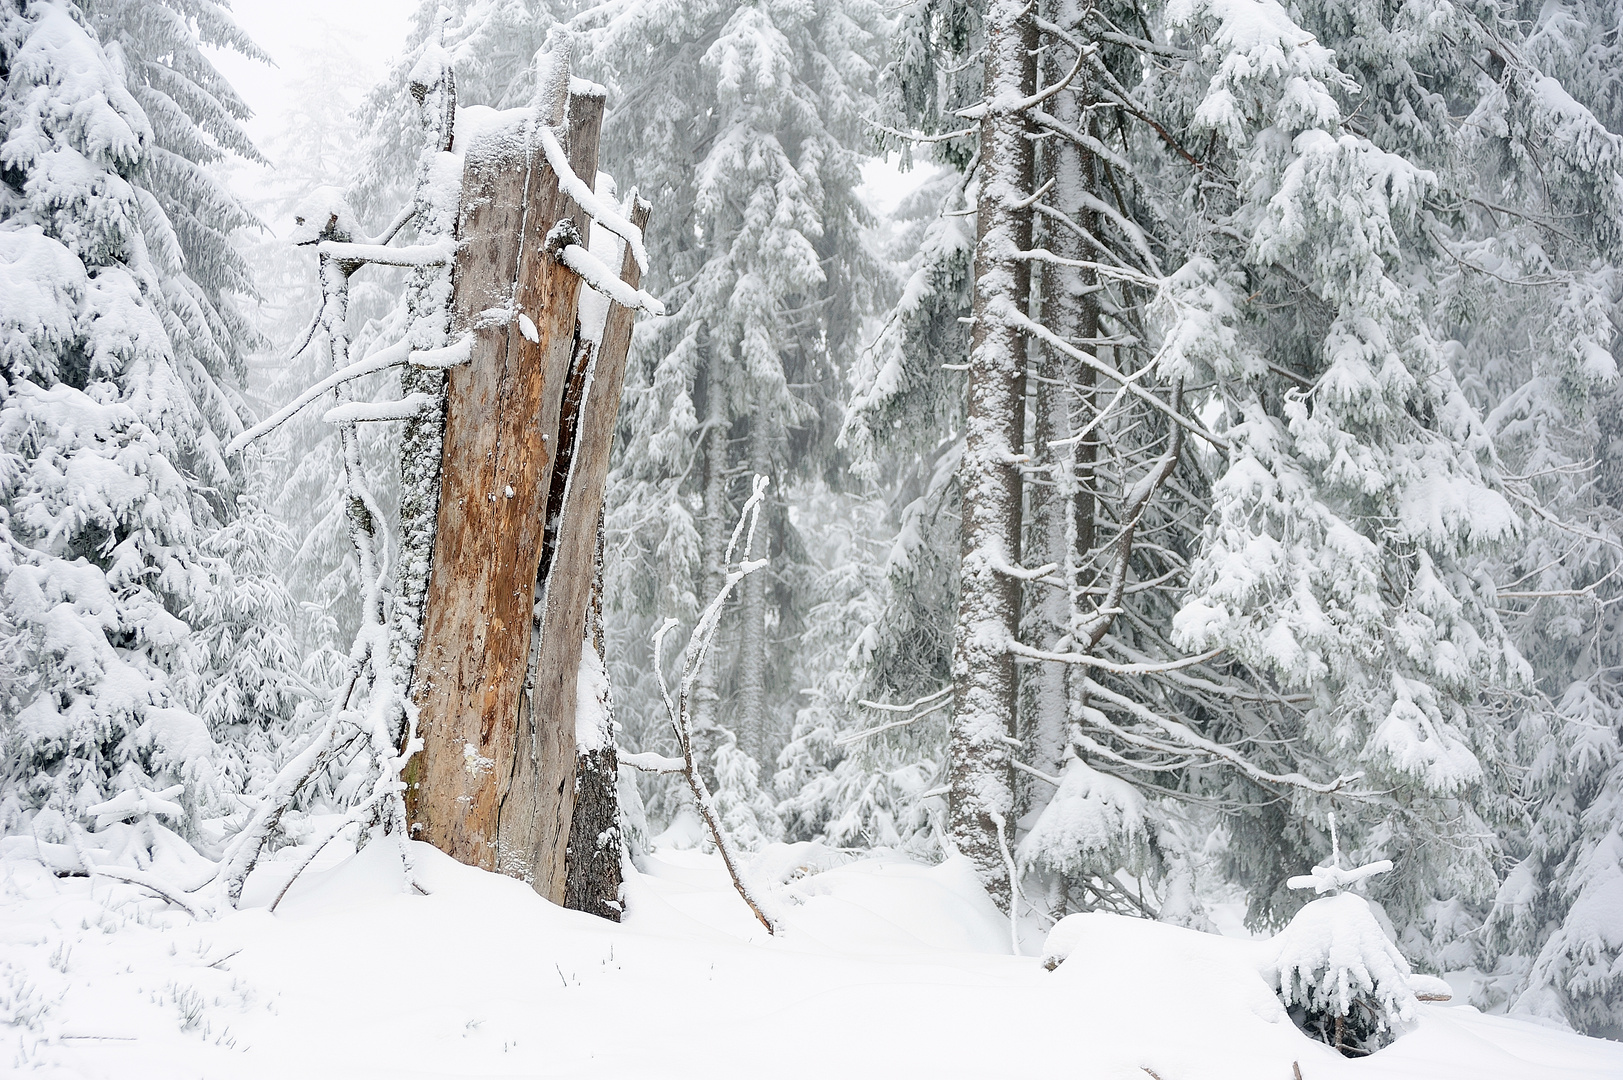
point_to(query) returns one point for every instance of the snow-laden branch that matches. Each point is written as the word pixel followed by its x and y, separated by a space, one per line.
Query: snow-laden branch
pixel 400 221
pixel 597 275
pixel 852 737
pixel 577 189
pixel 910 706
pixel 1047 336
pixel 448 356
pixel 1120 273
pixel 1184 735
pixel 1019 648
pixel 1084 54
pixel 437 254
pixel 1022 573
pixel 1323 879
pixel 456 354
pixel 368 412
pixel 378 361
pixel 1082 139
pixel 652 763
pixel 919 136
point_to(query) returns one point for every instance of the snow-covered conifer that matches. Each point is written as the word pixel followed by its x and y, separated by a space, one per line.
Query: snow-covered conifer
pixel 121 348
pixel 1335 967
pixel 743 119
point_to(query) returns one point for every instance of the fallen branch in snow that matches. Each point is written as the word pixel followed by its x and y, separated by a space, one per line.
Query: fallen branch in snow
pixel 681 710
pixel 152 884
pixel 355 816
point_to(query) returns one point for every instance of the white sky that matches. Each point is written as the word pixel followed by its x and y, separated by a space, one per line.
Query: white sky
pixel 373 30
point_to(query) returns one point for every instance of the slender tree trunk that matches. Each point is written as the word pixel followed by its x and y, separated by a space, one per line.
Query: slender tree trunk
pixel 752 645
pixel 713 536
pixel 1062 506
pixel 422 438
pixel 984 688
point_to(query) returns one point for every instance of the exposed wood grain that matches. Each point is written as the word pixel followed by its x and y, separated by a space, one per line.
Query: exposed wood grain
pixel 500 435
pixel 538 804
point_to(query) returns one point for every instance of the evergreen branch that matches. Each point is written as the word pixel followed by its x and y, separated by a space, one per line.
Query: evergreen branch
pixel 1184 735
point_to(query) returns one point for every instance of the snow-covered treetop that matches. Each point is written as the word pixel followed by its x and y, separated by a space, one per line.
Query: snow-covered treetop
pixel 1332 878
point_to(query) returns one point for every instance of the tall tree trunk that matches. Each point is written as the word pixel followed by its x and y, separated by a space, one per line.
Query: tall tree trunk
pixel 492 787
pixel 752 645
pixel 1062 505
pixel 984 689
pixel 538 803
pixel 713 536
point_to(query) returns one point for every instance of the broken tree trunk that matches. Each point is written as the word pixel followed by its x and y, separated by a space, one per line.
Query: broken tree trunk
pixel 591 407
pixel 490 787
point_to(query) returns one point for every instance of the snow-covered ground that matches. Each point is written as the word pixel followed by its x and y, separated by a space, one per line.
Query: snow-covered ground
pixel 888 969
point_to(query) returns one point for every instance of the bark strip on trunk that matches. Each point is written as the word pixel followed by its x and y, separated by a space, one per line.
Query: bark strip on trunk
pixel 592 864
pixel 537 806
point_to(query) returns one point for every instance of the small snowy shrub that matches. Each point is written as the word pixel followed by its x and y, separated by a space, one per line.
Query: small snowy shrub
pixel 1094 826
pixel 746 812
pixel 1340 976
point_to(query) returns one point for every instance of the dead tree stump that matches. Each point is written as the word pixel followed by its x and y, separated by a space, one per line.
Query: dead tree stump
pixel 491 787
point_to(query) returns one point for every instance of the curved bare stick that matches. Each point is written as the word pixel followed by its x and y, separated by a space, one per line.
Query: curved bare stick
pixel 680 713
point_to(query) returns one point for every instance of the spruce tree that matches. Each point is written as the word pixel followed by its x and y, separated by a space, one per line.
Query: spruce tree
pixel 122 355
pixel 744 121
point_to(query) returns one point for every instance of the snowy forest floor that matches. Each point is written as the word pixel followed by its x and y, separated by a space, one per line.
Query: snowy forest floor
pixel 887 969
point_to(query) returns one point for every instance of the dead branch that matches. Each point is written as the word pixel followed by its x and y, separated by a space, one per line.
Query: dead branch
pixel 681 710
